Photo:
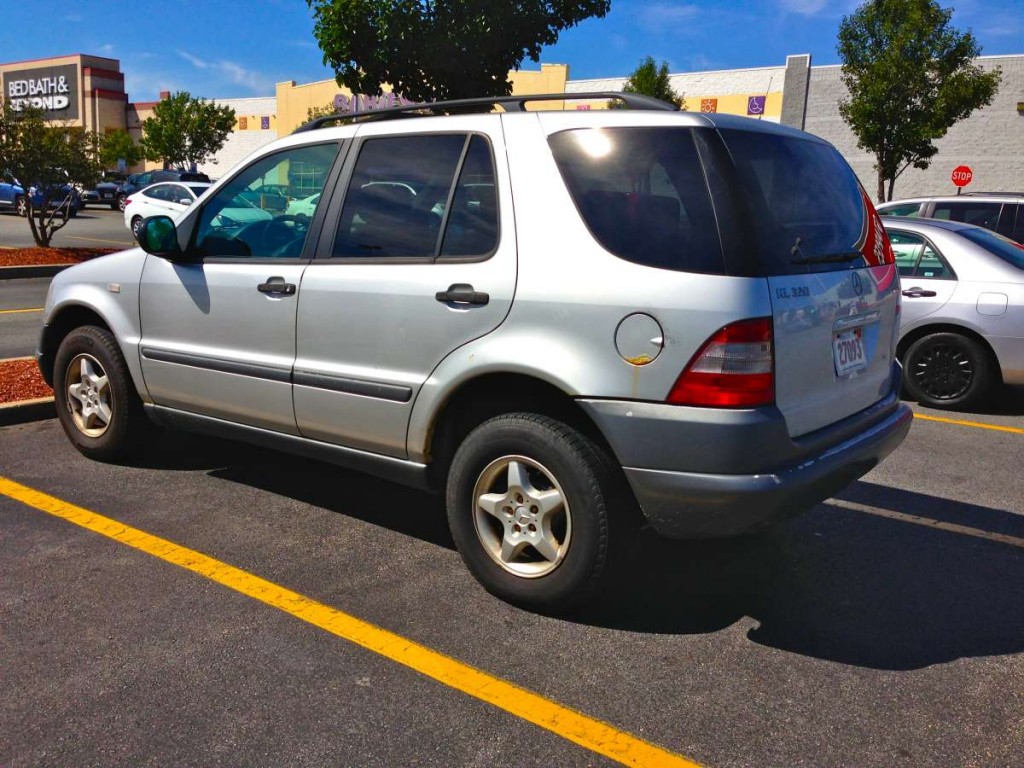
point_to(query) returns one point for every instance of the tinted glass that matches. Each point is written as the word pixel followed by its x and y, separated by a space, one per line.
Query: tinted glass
pixel 157 192
pixel 197 191
pixel 932 265
pixel 247 218
pixel 805 204
pixel 472 225
pixel 396 199
pixel 980 214
pixel 641 192
pixel 1017 233
pixel 1008 250
pixel 907 247
pixel 907 209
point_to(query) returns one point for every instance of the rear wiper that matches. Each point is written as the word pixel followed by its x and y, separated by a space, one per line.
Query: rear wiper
pixel 825 258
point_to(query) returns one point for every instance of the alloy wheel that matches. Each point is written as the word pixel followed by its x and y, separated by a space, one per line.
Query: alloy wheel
pixel 88 395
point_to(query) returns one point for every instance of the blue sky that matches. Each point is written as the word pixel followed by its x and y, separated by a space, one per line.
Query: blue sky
pixel 228 49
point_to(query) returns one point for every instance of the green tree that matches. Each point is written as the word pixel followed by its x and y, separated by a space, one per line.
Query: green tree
pixel 314 112
pixel 184 132
pixel 118 145
pixel 651 80
pixel 46 160
pixel 431 50
pixel 910 77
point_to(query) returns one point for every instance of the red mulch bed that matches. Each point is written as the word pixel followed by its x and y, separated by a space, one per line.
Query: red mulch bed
pixel 21 380
pixel 26 257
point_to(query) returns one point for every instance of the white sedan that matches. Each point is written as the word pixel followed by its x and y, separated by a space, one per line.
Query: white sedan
pixel 304 207
pixel 167 199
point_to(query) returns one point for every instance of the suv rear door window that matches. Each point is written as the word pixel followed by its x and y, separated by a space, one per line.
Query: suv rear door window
pixel 980 214
pixel 641 193
pixel 403 195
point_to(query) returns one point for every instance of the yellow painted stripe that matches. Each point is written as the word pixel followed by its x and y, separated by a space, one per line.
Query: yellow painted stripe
pixel 96 240
pixel 574 726
pixel 977 424
pixel 928 522
pixel 17 311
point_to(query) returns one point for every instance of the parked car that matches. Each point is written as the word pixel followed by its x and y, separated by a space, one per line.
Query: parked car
pixel 62 198
pixel 962 326
pixel 137 181
pixel 688 319
pixel 1002 212
pixel 304 207
pixel 12 196
pixel 169 198
pixel 104 192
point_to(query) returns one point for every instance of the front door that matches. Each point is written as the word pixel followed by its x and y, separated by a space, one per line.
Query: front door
pixel 926 279
pixel 218 332
pixel 420 263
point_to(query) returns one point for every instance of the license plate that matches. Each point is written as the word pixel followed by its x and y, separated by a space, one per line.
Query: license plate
pixel 848 351
pixel 108 194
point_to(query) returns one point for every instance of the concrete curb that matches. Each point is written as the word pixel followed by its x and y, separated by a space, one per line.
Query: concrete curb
pixel 24 411
pixel 35 270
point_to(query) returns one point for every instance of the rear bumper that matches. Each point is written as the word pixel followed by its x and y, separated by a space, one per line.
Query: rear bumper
pixel 692 505
pixel 722 473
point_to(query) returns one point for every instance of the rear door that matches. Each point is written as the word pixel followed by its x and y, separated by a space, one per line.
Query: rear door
pixel 420 259
pixel 927 280
pixel 833 284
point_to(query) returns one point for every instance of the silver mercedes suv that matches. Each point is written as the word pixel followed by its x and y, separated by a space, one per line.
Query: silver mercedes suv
pixel 569 322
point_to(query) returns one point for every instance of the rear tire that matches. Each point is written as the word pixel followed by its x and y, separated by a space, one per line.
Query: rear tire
pixel 947 370
pixel 97 404
pixel 538 511
pixel 21 206
pixel 120 202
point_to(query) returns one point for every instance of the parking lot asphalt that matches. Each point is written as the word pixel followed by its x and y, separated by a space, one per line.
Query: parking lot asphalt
pixel 21 316
pixel 882 629
pixel 93 227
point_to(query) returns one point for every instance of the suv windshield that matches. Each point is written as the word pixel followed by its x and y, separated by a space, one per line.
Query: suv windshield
pixel 806 207
pixel 997 245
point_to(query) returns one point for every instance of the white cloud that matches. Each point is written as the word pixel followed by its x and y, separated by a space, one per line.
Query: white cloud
pixel 660 15
pixel 229 72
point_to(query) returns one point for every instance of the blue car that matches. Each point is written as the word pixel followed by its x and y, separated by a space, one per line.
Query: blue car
pixel 63 198
pixel 12 196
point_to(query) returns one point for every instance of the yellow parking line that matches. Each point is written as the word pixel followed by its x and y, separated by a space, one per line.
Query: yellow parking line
pixel 16 311
pixel 978 424
pixel 928 522
pixel 96 240
pixel 576 727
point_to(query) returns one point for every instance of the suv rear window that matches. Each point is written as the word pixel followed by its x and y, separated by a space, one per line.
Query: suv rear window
pixel 642 194
pixel 805 203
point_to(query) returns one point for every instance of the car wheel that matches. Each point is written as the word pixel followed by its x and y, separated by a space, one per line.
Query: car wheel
pixel 136 227
pixel 117 205
pixel 537 511
pixel 121 202
pixel 21 206
pixel 97 404
pixel 947 370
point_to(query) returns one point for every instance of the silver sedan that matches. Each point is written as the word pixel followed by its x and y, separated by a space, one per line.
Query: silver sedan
pixel 962 325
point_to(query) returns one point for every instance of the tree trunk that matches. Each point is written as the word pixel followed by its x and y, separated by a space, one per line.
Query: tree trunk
pixel 892 186
pixel 881 184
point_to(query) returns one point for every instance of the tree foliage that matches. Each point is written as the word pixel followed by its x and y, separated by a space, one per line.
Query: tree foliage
pixel 431 50
pixel 46 160
pixel 314 112
pixel 910 77
pixel 184 132
pixel 651 79
pixel 118 145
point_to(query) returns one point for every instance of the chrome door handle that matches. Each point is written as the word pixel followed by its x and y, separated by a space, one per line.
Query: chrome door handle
pixel 276 286
pixel 918 293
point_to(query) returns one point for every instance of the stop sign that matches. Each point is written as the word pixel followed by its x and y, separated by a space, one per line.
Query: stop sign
pixel 962 175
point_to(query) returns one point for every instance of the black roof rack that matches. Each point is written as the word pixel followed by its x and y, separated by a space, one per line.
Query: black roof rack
pixel 508 103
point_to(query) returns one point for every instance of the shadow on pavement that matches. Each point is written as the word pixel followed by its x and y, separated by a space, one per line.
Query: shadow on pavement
pixel 836 584
pixel 844 586
pixel 1005 401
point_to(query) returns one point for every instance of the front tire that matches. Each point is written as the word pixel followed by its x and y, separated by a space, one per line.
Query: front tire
pixel 97 404
pixel 947 370
pixel 537 511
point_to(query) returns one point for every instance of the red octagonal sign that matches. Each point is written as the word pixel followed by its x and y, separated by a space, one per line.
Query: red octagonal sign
pixel 962 175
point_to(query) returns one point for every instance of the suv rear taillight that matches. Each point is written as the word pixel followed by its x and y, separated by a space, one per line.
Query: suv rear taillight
pixel 734 369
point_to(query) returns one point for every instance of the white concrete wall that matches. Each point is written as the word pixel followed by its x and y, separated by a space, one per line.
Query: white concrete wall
pixel 990 141
pixel 240 144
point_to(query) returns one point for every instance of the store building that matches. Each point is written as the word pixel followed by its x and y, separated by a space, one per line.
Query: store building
pixel 88 91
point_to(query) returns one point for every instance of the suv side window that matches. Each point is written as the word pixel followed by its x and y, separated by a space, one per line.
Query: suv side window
pixel 239 222
pixel 641 193
pixel 980 214
pixel 403 200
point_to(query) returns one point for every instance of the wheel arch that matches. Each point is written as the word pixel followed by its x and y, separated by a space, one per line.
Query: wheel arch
pixel 491 394
pixel 920 332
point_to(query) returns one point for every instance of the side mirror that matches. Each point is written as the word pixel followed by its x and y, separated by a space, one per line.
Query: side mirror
pixel 185 201
pixel 159 237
